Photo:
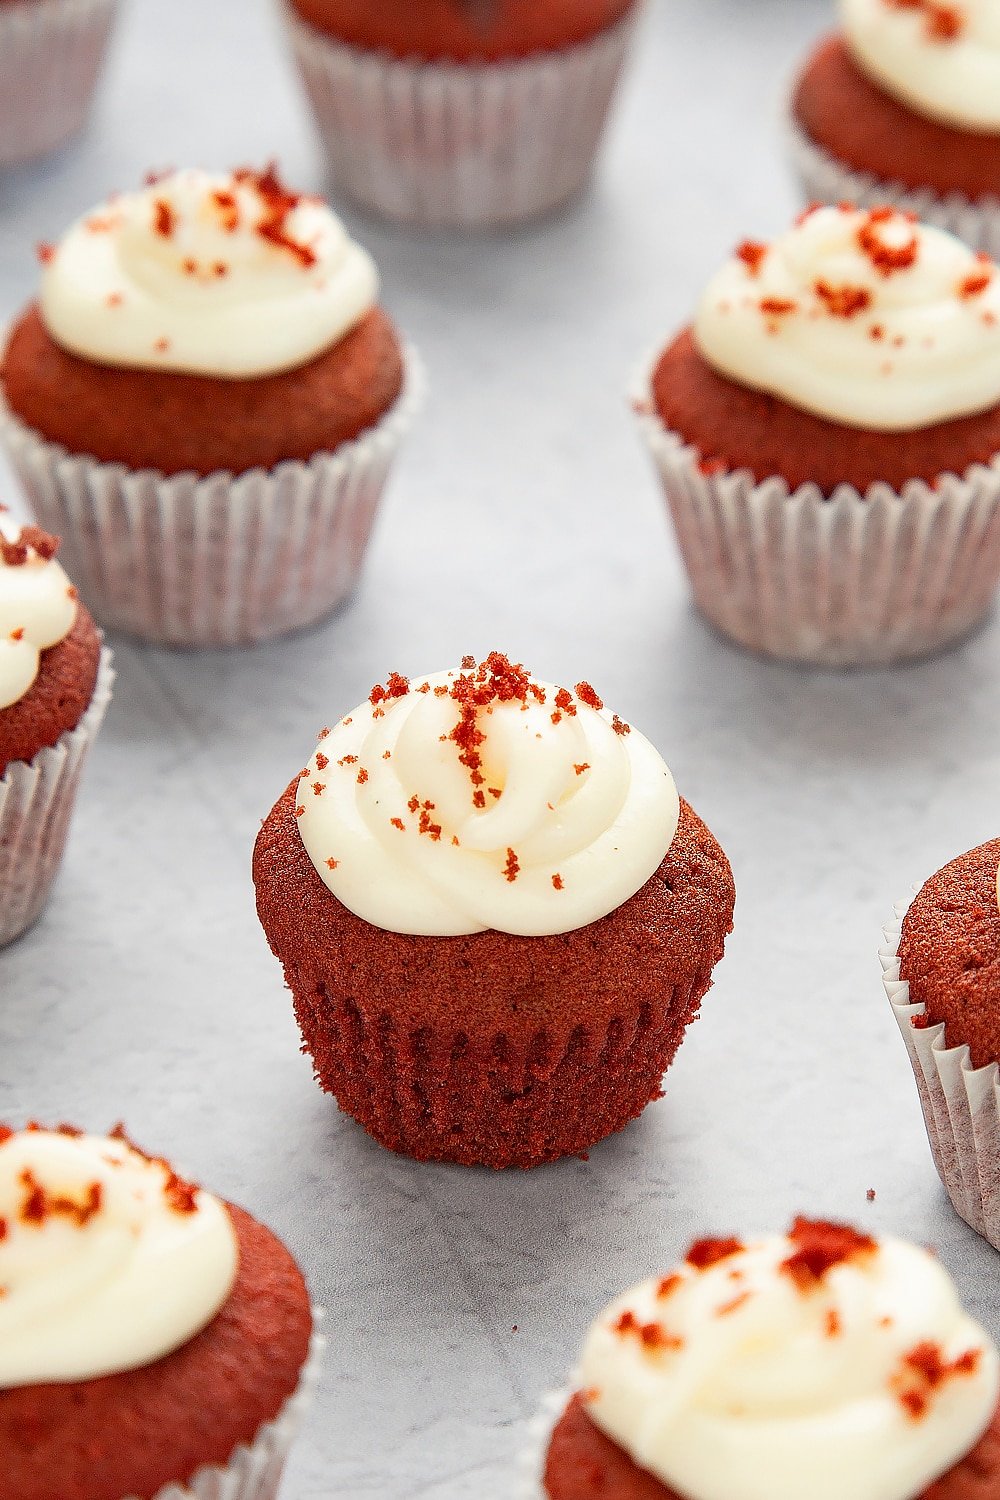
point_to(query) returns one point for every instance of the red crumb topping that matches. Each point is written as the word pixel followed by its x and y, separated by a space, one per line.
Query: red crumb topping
pixel 322 761
pixel 734 1305
pixel 557 882
pixel 45 252
pixel 39 1205
pixel 777 307
pixel 974 285
pixel 3 1229
pixel 18 634
pixel 586 695
pixel 325 733
pixel 819 1247
pixel 652 1336
pixel 585 766
pixel 6 1134
pixel 332 864
pixel 511 869
pixel 833 1324
pixel 161 346
pixel 33 538
pixel 843 301
pixel 886 258
pixel 924 1370
pixel 395 687
pixel 619 726
pixel 115 299
pixel 753 254
pixel 871 1195
pixel 362 776
pixel 279 203
pixel 398 823
pixel 299 811
pixel 164 218
pixel 181 1196
pixel 229 210
pixel 704 1254
pixel 668 1285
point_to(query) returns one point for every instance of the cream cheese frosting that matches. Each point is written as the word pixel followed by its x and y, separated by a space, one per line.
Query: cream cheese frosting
pixel 481 798
pixel 227 275
pixel 865 318
pixel 943 60
pixel 820 1364
pixel 37 606
pixel 108 1260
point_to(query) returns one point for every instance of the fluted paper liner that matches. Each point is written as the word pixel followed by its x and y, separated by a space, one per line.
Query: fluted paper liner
pixel 36 803
pixel 254 1471
pixel 226 560
pixel 50 55
pixel 461 145
pixel 961 1104
pixel 850 580
pixel 825 179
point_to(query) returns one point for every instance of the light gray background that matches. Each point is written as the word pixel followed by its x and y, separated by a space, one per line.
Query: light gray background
pixel 524 516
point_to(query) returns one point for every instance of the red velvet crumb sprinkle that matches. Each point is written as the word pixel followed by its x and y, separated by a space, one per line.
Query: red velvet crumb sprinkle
pixel 843 301
pixel 819 1247
pixel 704 1254
pixel 753 254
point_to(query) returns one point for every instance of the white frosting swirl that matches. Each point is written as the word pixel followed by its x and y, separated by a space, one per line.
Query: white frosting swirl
pixel 739 1382
pixel 575 814
pixel 941 59
pixel 209 274
pixel 37 610
pixel 107 1262
pixel 867 319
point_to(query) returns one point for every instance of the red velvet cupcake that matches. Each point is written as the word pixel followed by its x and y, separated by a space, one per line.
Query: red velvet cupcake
pixel 903 106
pixel 824 1363
pixel 942 976
pixel 462 113
pixel 828 437
pixel 494 914
pixel 205 402
pixel 55 686
pixel 155 1342
pixel 51 52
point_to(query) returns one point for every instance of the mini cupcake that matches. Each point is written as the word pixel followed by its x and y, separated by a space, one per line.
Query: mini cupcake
pixel 461 113
pixel 494 914
pixel 828 433
pixel 942 976
pixel 824 1363
pixel 55 686
pixel 903 106
pixel 205 402
pixel 154 1341
pixel 51 53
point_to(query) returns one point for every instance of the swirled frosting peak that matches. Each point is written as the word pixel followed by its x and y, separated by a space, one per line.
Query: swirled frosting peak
pixel 821 1363
pixel 866 318
pixel 108 1260
pixel 229 275
pixel 483 798
pixel 37 606
pixel 942 59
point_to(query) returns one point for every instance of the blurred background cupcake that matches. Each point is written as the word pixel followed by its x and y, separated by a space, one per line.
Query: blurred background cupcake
pixel 51 53
pixel 154 1340
pixel 495 916
pixel 902 105
pixel 461 113
pixel 827 433
pixel 204 403
pixel 55 686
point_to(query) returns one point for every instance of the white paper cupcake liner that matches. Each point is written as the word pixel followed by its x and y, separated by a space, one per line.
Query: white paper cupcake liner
pixel 961 1103
pixel 824 179
pixel 36 803
pixel 254 1471
pixel 227 560
pixel 853 580
pixel 461 146
pixel 50 55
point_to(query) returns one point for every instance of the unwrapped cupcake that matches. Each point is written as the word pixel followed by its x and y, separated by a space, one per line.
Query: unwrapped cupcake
pixel 820 1365
pixel 942 976
pixel 204 403
pixel 462 113
pixel 494 914
pixel 827 433
pixel 55 686
pixel 51 52
pixel 903 105
pixel 154 1340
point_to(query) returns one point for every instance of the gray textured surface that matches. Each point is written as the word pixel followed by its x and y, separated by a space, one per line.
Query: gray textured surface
pixel 524 516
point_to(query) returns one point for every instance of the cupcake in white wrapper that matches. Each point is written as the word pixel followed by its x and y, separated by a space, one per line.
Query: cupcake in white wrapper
pixel 222 560
pixel 961 1103
pixel 529 1462
pixel 461 145
pixel 784 424
pixel 36 804
pixel 51 53
pixel 205 404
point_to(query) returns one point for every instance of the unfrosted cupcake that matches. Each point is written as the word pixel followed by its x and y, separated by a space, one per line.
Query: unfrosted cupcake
pixel 824 1364
pixel 463 113
pixel 942 976
pixel 494 914
pixel 55 686
pixel 204 402
pixel 827 433
pixel 51 53
pixel 154 1340
pixel 903 106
